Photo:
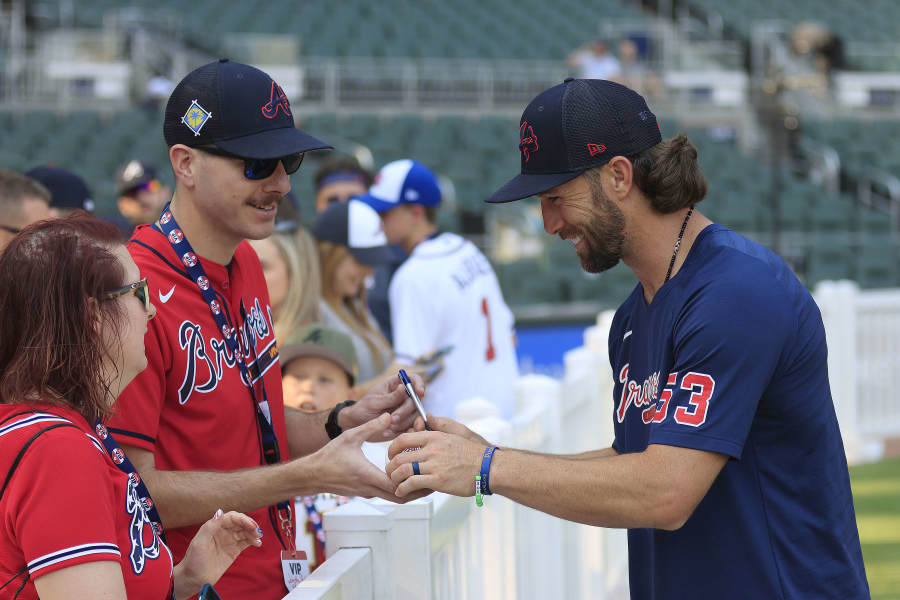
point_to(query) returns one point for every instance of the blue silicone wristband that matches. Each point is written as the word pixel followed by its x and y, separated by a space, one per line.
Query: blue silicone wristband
pixel 486 469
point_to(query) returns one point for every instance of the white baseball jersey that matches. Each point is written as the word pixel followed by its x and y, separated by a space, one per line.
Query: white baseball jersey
pixel 446 293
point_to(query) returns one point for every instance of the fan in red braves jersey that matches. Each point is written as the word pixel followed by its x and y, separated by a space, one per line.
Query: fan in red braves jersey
pixel 74 521
pixel 205 423
pixel 727 465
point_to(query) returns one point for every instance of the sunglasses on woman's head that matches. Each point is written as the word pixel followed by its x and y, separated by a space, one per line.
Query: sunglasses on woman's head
pixel 259 168
pixel 138 288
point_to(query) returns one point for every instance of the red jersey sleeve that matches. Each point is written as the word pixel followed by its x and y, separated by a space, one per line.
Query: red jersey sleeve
pixel 135 418
pixel 59 516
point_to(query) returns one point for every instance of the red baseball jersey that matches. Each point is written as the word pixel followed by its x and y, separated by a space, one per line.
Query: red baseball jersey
pixel 68 504
pixel 191 407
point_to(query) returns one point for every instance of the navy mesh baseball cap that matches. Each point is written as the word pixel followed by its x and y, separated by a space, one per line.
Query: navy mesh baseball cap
pixel 236 107
pixel 574 126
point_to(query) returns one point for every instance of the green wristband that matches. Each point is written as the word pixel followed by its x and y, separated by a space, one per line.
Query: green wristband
pixel 478 500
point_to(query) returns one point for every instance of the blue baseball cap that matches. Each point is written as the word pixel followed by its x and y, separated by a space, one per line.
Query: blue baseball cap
pixel 67 190
pixel 237 108
pixel 575 126
pixel 402 182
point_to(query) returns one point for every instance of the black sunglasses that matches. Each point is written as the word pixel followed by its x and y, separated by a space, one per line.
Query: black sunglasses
pixel 259 168
pixel 138 288
pixel 12 230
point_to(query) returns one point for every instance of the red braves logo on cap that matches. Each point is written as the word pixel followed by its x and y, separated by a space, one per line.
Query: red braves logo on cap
pixel 203 282
pixel 276 99
pixel 595 149
pixel 529 141
pixel 166 217
pixel 101 431
pixel 214 306
pixel 118 456
pixel 175 236
pixel 189 259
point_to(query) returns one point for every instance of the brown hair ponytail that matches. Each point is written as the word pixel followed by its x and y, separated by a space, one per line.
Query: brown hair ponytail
pixel 669 174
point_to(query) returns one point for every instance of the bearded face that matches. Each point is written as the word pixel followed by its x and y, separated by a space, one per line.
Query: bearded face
pixel 603 234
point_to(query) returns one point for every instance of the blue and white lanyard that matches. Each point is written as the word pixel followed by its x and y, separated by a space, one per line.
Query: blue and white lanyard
pixel 121 461
pixel 219 309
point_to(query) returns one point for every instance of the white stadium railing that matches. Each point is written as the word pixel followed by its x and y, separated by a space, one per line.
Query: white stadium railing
pixel 443 547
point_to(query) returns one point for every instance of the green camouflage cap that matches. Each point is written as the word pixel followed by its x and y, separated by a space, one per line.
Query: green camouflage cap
pixel 322 342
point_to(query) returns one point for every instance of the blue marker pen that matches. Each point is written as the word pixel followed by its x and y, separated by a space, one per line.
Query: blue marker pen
pixel 411 392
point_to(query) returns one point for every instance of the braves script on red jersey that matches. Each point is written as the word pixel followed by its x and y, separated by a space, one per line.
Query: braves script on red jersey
pixel 191 406
pixel 67 504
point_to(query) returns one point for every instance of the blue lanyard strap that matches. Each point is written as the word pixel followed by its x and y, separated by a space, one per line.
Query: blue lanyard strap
pixel 218 307
pixel 121 461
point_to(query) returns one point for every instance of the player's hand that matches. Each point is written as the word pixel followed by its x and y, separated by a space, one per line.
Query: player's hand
pixel 343 469
pixel 447 463
pixel 449 426
pixel 389 396
pixel 215 546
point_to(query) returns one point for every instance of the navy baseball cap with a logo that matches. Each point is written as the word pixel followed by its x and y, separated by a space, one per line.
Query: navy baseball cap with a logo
pixel 402 182
pixel 357 226
pixel 574 126
pixel 237 108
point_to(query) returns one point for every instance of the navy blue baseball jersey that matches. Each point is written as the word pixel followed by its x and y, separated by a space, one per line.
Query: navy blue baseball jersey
pixel 730 357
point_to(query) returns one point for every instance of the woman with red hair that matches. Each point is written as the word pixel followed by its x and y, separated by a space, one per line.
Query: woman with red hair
pixel 75 519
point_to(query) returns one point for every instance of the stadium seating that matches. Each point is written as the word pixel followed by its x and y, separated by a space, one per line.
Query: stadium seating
pixel 873 21
pixel 426 29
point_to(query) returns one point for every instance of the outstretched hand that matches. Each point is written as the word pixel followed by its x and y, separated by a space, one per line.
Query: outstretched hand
pixel 388 396
pixel 345 469
pixel 216 545
pixel 449 458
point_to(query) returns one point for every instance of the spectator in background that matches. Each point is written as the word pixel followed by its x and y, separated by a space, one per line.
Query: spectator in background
pixel 350 243
pixel 68 191
pixel 445 295
pixel 318 370
pixel 594 61
pixel 22 202
pixel 634 71
pixel 290 264
pixel 338 179
pixel 142 194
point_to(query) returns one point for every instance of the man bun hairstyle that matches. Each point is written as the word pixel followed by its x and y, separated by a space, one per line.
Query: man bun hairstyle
pixel 669 174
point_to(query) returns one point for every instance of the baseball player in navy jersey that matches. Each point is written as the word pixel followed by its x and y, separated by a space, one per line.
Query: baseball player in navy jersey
pixel 445 295
pixel 205 423
pixel 727 467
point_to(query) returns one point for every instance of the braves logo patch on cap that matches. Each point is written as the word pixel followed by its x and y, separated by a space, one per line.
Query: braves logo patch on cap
pixel 528 142
pixel 277 99
pixel 196 117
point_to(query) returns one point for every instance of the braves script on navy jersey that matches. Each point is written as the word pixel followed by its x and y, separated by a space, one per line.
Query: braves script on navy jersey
pixel 191 406
pixel 730 357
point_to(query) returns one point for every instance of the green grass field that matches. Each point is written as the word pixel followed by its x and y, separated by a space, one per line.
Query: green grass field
pixel 876 495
